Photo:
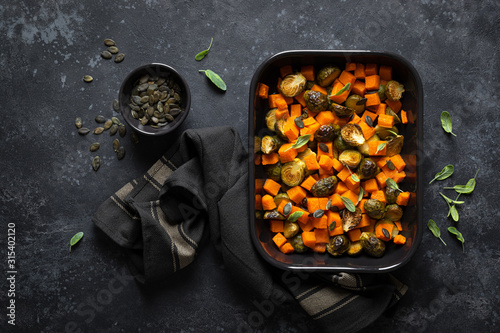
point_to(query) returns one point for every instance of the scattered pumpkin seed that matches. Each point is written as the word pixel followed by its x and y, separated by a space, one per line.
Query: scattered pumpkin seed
pixel 119 57
pixel 113 129
pixel 134 138
pixel 78 122
pixel 116 145
pixel 96 163
pixel 323 147
pixel 83 131
pixel 116 121
pixel 390 165
pixel 113 49
pixel 386 233
pixel 332 226
pixel 108 124
pixel 318 213
pixel 109 42
pixel 287 209
pixel 298 122
pixel 88 78
pixel 95 146
pixel 120 153
pixel 98 130
pixel 106 55
pixel 100 119
pixel 122 130
pixel 116 105
pixel 369 121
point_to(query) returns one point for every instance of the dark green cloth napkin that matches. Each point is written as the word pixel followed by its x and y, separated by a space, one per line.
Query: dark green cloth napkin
pixel 202 183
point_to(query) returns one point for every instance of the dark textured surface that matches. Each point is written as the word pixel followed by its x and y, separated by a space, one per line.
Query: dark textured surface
pixel 49 190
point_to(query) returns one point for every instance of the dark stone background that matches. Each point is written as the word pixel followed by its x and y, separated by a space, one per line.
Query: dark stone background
pixel 49 190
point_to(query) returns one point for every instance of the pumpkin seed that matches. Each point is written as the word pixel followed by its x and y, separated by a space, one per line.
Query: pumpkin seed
pixel 109 42
pixel 113 129
pixel 298 121
pixel 98 130
pixel 106 55
pixel 318 213
pixel 116 105
pixel 116 145
pixel 369 121
pixel 287 209
pixel 96 163
pixel 120 153
pixel 83 131
pixel 332 226
pixel 116 121
pixel 329 204
pixel 390 165
pixel 144 79
pixel 107 124
pixel 100 119
pixel 323 147
pixel 88 78
pixel 386 233
pixel 174 112
pixel 119 57
pixel 134 138
pixel 169 117
pixel 95 146
pixel 78 122
pixel 122 130
pixel 113 49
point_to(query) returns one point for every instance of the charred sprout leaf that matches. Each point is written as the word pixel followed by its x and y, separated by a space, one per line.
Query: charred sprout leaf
pixel 392 184
pixel 75 239
pixel 459 236
pixel 446 122
pixel 215 78
pixel 203 53
pixel 302 140
pixel 381 146
pixel 295 216
pixel 348 204
pixel 435 230
pixel 467 188
pixel 341 91
pixel 443 174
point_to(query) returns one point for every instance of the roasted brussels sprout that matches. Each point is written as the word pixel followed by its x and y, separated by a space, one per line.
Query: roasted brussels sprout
pixel 269 144
pixel 327 132
pixel 271 119
pixel 341 144
pixel 372 245
pixel 367 169
pixel 381 92
pixel 355 248
pixel 278 198
pixel 391 194
pixel 279 128
pixel 273 171
pixel 374 208
pixel 293 172
pixel 384 133
pixel 298 244
pixel 385 221
pixel 342 111
pixel 324 187
pixel 350 158
pixel 352 135
pixel 351 219
pixel 293 84
pixel 290 229
pixel 394 90
pixel 353 102
pixel 390 112
pixel 327 75
pixel 393 212
pixel 256 144
pixel 364 148
pixel 273 215
pixel 316 101
pixel 338 245
pixel 394 146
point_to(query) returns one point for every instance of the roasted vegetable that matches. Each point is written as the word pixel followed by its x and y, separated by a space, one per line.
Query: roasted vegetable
pixel 367 168
pixel 372 245
pixel 355 102
pixel 393 212
pixel 279 128
pixel 292 84
pixel 350 158
pixel 278 198
pixel 273 215
pixel 364 148
pixel 327 75
pixel 381 92
pixel 390 231
pixel 351 219
pixel 355 248
pixel 269 144
pixel 391 194
pixel 342 111
pixel 338 245
pixel 340 144
pixel 271 119
pixel 384 133
pixel 352 135
pixel 390 112
pixel 298 244
pixel 324 187
pixel 256 144
pixel 327 132
pixel 316 101
pixel 273 171
pixel 290 229
pixel 293 172
pixel 394 145
pixel 394 90
pixel 374 208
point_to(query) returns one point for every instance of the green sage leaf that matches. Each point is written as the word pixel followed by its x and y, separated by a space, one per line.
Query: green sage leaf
pixel 75 239
pixel 301 140
pixel 203 53
pixel 354 177
pixel 348 204
pixel 360 195
pixel 215 78
pixel 295 216
pixel 446 122
pixel 467 188
pixel 451 201
pixel 459 236
pixel 392 184
pixel 381 146
pixel 454 213
pixel 445 173
pixel 344 88
pixel 435 230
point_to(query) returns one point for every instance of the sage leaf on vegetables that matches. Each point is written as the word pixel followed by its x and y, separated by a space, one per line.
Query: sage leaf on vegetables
pixel 446 122
pixel 203 53
pixel 215 78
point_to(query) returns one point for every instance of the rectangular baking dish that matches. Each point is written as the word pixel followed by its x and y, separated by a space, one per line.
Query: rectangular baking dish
pixel 395 256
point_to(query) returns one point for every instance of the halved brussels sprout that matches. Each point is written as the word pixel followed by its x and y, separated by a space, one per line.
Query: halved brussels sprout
pixel 394 146
pixel 271 119
pixel 374 208
pixel 290 229
pixel 352 135
pixel 394 90
pixel 278 198
pixel 273 171
pixel 391 194
pixel 293 172
pixel 338 245
pixel 279 128
pixel 350 158
pixel 327 132
pixel 269 144
pixel 372 245
pixel 256 144
pixel 384 133
pixel 324 187
pixel 327 75
pixel 298 244
pixel 351 219
pixel 341 144
pixel 352 103
pixel 393 212
pixel 381 92
pixel 273 215
pixel 355 248
pixel 293 84
pixel 342 111
pixel 367 169
pixel 316 101
pixel 364 148
pixel 390 112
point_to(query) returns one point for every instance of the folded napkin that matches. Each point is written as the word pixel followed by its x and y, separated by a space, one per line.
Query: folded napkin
pixel 202 182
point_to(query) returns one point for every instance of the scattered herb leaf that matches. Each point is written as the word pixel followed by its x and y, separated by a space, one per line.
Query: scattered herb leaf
pixel 203 53
pixel 295 216
pixel 354 177
pixel 348 204
pixel 392 132
pixel 381 146
pixel 467 188
pixel 451 201
pixel 75 239
pixel 341 91
pixel 446 122
pixel 302 140
pixel 392 184
pixel 215 78
pixel 445 173
pixel 435 230
pixel 360 195
pixel 459 236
